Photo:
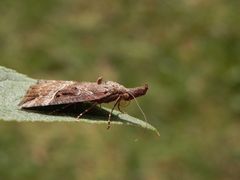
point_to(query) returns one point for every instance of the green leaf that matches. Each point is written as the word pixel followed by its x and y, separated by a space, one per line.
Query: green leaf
pixel 13 87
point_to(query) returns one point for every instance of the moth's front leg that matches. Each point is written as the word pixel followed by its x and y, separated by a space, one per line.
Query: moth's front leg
pixel 110 114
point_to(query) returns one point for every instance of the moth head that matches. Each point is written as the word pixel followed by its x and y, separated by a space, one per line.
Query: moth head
pixel 135 92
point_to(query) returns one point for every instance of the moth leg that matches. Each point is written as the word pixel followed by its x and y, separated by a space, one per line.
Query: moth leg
pixel 88 109
pixel 119 107
pixel 110 114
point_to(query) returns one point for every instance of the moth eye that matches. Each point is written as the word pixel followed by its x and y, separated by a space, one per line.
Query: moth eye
pixel 58 95
pixel 125 96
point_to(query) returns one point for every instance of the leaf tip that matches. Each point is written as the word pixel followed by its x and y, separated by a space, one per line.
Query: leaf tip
pixel 158 133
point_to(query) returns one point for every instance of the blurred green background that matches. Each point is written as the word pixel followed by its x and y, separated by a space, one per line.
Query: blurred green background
pixel 187 51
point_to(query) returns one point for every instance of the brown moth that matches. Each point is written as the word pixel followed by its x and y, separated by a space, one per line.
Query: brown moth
pixel 54 92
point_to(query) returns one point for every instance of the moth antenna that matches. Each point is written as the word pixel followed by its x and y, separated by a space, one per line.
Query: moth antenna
pixel 145 118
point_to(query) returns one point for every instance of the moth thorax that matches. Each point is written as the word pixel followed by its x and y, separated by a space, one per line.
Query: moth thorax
pixel 115 87
pixel 114 84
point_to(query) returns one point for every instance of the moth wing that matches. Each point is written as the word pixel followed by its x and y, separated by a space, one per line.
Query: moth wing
pixel 50 92
pixel 80 92
pixel 39 92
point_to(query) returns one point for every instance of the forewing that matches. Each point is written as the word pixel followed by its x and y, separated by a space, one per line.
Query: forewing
pixel 46 93
pixel 80 92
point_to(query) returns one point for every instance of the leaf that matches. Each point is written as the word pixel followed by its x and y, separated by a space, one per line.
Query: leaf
pixel 13 87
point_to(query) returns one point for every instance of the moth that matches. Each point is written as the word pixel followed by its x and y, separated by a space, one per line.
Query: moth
pixel 57 92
